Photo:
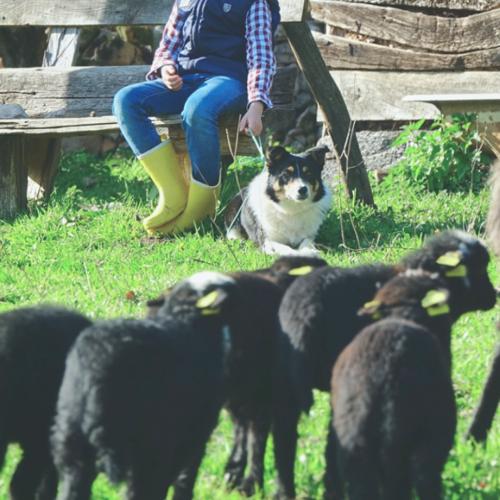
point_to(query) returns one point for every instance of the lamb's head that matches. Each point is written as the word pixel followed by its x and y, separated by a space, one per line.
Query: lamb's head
pixel 202 294
pixel 462 260
pixel 415 295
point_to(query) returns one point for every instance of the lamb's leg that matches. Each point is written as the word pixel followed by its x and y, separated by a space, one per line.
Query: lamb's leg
pixel 184 484
pixel 236 464
pixel 75 463
pixel 286 420
pixel 48 487
pixel 332 479
pixel 257 439
pixel 486 410
pixel 396 483
pixel 429 461
pixel 360 476
pixel 148 481
pixel 29 473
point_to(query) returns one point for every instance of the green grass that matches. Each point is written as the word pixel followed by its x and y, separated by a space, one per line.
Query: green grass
pixel 83 249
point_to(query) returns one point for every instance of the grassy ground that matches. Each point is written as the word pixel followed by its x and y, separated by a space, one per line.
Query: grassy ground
pixel 83 249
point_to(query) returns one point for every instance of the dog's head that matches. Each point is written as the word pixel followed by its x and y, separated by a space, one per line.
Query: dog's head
pixel 295 178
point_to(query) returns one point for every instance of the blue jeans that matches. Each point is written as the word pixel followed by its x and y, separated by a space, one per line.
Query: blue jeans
pixel 201 100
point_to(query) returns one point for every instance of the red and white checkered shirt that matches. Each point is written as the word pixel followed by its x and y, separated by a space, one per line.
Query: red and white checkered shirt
pixel 261 62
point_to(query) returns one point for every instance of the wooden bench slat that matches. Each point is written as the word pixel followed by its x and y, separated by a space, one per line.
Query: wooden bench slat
pixel 378 95
pixel 106 12
pixel 169 125
pixel 81 91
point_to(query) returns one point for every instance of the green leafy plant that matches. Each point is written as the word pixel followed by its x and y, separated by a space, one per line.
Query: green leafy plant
pixel 447 156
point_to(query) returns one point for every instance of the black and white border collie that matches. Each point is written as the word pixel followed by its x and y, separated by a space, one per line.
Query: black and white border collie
pixel 283 207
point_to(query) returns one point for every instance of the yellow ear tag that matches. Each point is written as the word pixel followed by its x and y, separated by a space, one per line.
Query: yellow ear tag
pixel 458 272
pixel 434 298
pixel 450 259
pixel 209 312
pixel 207 300
pixel 372 307
pixel 438 310
pixel 300 271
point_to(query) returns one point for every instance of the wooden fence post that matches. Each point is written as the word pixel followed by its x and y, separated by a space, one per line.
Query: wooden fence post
pixel 13 176
pixel 332 104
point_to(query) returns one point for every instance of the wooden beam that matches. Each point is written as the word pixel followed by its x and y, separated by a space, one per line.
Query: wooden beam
pixel 86 91
pixel 169 125
pixel 42 154
pixel 413 29
pixel 468 5
pixel 62 13
pixel 332 104
pixel 346 53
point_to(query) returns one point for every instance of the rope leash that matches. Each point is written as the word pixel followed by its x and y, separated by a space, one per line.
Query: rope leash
pixel 258 145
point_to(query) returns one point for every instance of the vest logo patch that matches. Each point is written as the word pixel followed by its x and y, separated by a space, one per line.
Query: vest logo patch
pixel 226 7
pixel 185 4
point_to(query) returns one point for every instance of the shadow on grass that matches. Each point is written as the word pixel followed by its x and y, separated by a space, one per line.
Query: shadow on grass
pixel 101 180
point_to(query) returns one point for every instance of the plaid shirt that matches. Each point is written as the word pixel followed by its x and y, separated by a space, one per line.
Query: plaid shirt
pixel 260 59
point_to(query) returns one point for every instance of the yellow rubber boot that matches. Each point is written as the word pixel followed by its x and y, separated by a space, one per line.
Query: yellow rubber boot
pixel 201 203
pixel 162 165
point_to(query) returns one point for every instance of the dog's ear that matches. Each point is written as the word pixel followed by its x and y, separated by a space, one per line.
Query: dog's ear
pixel 317 155
pixel 275 154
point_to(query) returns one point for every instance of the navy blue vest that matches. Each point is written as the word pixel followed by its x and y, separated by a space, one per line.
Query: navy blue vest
pixel 214 36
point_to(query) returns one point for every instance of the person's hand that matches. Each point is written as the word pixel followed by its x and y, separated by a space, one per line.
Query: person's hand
pixel 252 119
pixel 170 78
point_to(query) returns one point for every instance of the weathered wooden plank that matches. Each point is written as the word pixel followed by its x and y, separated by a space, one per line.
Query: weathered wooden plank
pixel 169 125
pixel 85 91
pixel 13 177
pixel 413 29
pixel 469 5
pixel 61 48
pixel 42 154
pixel 105 12
pixel 332 104
pixel 377 95
pixel 344 53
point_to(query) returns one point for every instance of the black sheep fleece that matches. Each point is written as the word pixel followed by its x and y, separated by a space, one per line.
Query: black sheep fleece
pixel 318 318
pixel 392 396
pixel 34 342
pixel 140 398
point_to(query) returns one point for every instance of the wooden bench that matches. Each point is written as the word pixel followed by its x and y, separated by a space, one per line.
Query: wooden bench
pixel 485 106
pixel 63 100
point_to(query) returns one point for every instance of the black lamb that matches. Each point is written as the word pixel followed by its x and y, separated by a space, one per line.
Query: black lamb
pixel 140 398
pixel 394 411
pixel 250 365
pixel 318 317
pixel 485 412
pixel 34 342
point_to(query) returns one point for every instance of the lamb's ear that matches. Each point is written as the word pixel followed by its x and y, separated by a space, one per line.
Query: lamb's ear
pixel 317 154
pixel 371 309
pixel 435 302
pixel 275 154
pixel 211 302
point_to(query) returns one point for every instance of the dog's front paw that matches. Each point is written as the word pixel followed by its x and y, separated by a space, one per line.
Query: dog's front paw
pixel 275 248
pixel 307 249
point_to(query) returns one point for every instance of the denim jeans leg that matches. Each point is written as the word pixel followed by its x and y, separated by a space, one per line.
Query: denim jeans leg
pixel 132 106
pixel 217 95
